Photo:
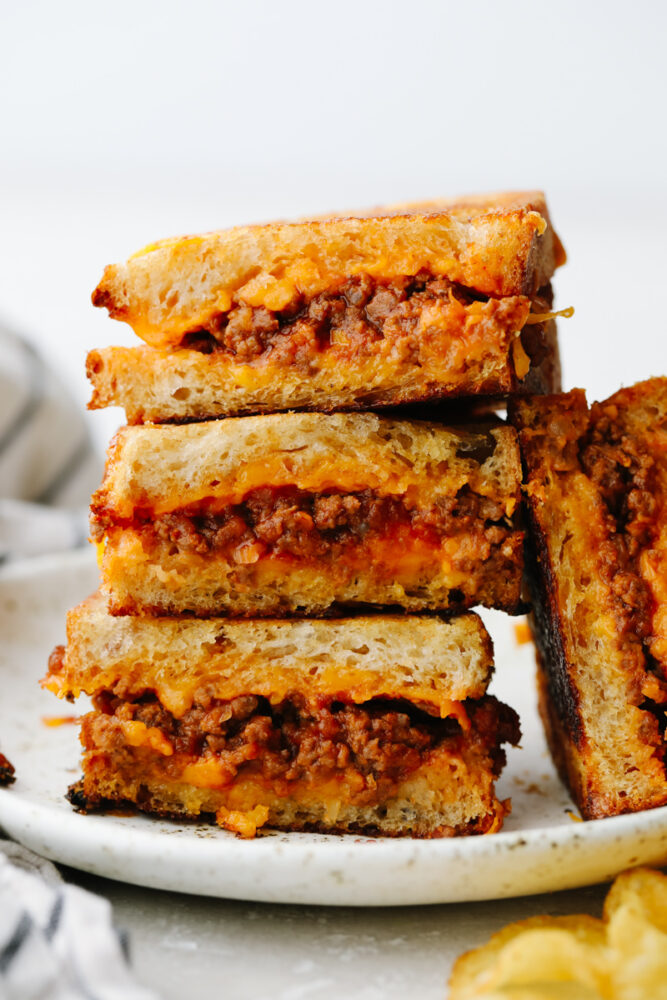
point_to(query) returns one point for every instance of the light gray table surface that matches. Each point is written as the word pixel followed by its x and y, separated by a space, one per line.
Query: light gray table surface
pixel 182 945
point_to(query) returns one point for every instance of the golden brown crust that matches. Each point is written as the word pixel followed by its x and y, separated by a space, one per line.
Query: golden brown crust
pixel 498 245
pixel 595 532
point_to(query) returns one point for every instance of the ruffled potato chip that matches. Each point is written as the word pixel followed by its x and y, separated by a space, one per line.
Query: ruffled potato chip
pixel 621 957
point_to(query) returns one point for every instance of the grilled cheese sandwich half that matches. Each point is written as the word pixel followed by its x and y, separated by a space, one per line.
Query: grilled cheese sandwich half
pixel 420 302
pixel 296 513
pixel 379 725
pixel 596 490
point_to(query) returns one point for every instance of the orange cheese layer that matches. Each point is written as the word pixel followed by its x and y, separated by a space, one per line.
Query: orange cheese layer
pixel 177 690
pixel 330 475
pixel 403 554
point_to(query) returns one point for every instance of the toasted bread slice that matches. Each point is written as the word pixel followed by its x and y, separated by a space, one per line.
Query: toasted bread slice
pixel 160 469
pixel 294 513
pixel 496 245
pixel 597 500
pixel 377 724
pixel 428 661
pixel 483 354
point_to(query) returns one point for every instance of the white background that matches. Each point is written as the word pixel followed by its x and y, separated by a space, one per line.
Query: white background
pixel 121 123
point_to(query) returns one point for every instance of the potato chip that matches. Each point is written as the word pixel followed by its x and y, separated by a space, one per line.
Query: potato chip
pixel 622 957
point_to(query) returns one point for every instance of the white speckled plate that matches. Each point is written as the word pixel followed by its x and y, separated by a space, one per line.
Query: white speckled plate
pixel 542 846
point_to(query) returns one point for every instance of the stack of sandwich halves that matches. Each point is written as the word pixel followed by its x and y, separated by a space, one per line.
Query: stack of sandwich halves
pixel 282 636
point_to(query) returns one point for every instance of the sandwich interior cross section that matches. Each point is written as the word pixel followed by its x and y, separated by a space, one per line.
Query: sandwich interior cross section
pixel 443 300
pixel 374 724
pixel 297 513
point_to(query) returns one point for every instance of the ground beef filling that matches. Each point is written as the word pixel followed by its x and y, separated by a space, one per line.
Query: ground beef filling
pixel 624 471
pixel 354 317
pixel 307 525
pixel 383 741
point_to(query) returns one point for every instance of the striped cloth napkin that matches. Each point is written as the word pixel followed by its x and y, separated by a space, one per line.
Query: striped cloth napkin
pixel 57 942
pixel 48 467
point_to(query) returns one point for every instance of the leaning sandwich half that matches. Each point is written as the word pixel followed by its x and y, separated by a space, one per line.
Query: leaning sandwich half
pixel 377 725
pixel 296 513
pixel 419 302
pixel 596 485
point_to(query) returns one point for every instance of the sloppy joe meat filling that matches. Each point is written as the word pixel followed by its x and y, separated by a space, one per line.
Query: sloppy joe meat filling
pixel 354 319
pixel 288 521
pixel 382 740
pixel 624 471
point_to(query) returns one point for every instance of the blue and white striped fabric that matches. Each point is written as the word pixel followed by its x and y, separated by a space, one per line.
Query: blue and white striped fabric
pixel 47 464
pixel 57 942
